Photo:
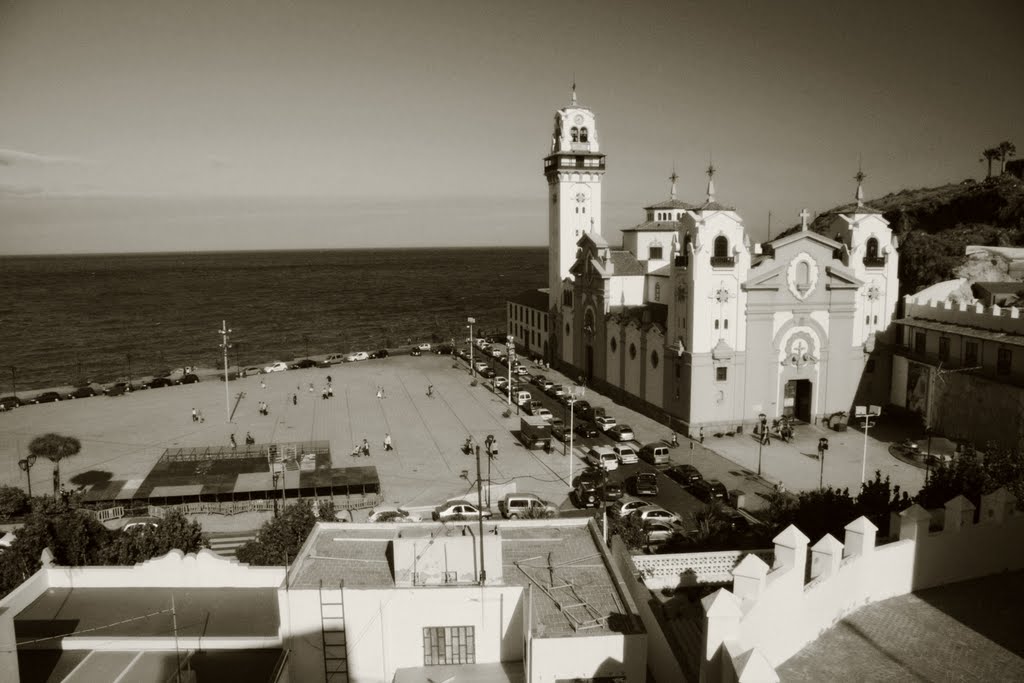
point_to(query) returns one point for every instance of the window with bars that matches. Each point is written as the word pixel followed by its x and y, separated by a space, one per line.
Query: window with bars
pixel 971 353
pixel 448 645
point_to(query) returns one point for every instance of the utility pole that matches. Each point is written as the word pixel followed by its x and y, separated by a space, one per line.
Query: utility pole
pixel 129 357
pixel 14 381
pixel 862 413
pixel 471 322
pixel 822 447
pixel 480 516
pixel 224 331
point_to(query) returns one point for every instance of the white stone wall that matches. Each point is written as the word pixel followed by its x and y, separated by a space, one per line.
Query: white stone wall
pixel 587 657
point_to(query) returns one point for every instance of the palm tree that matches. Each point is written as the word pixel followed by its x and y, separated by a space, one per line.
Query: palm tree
pixel 989 155
pixel 1005 149
pixel 55 447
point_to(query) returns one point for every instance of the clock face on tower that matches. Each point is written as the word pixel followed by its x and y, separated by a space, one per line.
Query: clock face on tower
pixel 578 120
pixel 581 197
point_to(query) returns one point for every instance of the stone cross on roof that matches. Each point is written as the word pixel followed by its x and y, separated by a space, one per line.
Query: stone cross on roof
pixel 711 181
pixel 860 189
pixel 804 215
pixel 673 178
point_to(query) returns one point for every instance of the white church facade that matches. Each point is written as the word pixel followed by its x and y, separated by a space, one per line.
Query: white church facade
pixel 692 323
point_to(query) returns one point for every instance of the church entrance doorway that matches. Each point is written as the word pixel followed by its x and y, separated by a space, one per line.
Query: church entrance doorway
pixel 797 399
pixel 589 364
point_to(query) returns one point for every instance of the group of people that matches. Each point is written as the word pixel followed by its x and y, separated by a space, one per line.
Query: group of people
pixel 380 392
pixel 364 448
pixel 264 409
pixel 197 416
pixel 327 392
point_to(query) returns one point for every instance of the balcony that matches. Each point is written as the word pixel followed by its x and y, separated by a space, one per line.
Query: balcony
pixel 723 261
pixel 874 261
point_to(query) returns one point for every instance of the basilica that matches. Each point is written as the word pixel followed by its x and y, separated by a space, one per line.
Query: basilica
pixel 691 322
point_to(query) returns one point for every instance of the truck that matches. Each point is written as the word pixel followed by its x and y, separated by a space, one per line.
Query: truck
pixel 535 432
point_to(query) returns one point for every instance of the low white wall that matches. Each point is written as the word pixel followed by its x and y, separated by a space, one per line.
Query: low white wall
pixel 173 570
pixel 972 552
pixel 587 657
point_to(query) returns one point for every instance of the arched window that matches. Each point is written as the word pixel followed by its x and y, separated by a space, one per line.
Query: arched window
pixel 721 247
pixel 872 248
pixel 575 133
pixel 803 275
pixel 583 134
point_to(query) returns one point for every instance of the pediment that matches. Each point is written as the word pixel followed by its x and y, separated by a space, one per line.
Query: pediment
pixel 770 280
pixel 841 278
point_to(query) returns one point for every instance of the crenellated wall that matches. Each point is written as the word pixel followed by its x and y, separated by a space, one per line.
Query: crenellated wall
pixel 995 318
pixel 744 637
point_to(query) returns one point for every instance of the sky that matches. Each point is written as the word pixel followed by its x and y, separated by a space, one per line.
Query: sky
pixel 215 124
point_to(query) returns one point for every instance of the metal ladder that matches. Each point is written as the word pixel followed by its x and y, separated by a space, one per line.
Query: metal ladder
pixel 332 631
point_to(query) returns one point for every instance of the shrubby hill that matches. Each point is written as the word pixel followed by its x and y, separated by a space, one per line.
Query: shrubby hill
pixel 935 224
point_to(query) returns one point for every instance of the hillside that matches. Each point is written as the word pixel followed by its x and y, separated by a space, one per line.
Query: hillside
pixel 935 224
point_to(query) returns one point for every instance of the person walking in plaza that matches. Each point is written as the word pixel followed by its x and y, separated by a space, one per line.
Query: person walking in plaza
pixel 263 385
pixel 295 399
pixel 195 415
pixel 202 418
pixel 380 393
pixel 323 394
pixel 430 390
pixel 330 389
pixel 249 440
pixel 234 444
pixel 365 447
pixel 387 442
pixel 700 434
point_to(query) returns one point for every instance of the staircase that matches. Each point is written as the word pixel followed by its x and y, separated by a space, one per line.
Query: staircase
pixel 332 629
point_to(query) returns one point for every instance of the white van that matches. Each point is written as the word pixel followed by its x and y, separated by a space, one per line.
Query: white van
pixel 523 397
pixel 335 358
pixel 603 457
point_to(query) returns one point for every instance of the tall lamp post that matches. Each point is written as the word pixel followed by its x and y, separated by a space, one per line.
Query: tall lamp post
pixel 866 414
pixel 511 347
pixel 14 381
pixel 128 356
pixel 276 476
pixel 762 420
pixel 471 321
pixel 224 332
pixel 480 517
pixel 822 447
pixel 576 392
pixel 26 466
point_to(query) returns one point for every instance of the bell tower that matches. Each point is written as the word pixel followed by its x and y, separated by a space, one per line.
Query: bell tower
pixel 573 169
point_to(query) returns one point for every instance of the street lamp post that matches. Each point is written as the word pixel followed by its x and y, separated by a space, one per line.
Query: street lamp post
pixel 865 413
pixel 128 356
pixel 276 476
pixel 761 436
pixel 575 393
pixel 471 322
pixel 480 516
pixel 14 381
pixel 26 466
pixel 822 447
pixel 224 332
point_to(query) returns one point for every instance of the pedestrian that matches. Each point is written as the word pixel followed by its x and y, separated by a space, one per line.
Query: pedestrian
pixel 766 438
pixel 430 390
pixel 700 434
pixel 380 393
pixel 387 442
pixel 328 379
pixel 195 415
pixel 311 387
pixel 263 385
pixel 366 447
pixel 330 390
pixel 323 394
pixel 202 418
pixel 234 444
pixel 295 399
pixel 249 440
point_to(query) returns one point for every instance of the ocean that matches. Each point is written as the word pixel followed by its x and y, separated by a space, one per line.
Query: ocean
pixel 66 319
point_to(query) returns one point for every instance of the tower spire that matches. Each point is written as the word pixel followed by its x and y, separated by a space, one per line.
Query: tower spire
pixel 673 178
pixel 711 179
pixel 860 182
pixel 574 88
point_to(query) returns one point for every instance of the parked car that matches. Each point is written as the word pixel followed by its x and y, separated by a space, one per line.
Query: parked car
pixel 480 365
pixel 684 474
pixel 545 384
pixel 155 383
pixel 279 366
pixel 141 523
pixel 356 356
pixel 381 353
pixel 445 349
pixel 588 490
pixel 521 371
pixel 612 491
pixel 189 379
pixel 425 346
pixel 625 453
pixel 555 390
pixel 604 422
pixel 710 490
pixel 655 453
pixel 522 398
pixel 531 407
pixel 659 513
pixel 603 457
pixel 83 392
pixel 558 429
pixel 10 403
pixel 47 397
pixel 538 380
pixel 515 505
pixel 620 432
pixel 645 484
pixel 415 352
pixel 118 389
pixel 624 508
pixel 454 510
pixel 657 532
pixel 305 363
pixel 334 358
pixel 544 413
pixel 584 410
pixel 389 513
pixel 586 429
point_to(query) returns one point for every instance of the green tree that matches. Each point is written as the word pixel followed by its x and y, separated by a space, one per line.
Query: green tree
pixel 74 537
pixel 1005 149
pixel 279 539
pixel 628 528
pixel 972 475
pixel 13 502
pixel 989 155
pixel 175 531
pixel 55 448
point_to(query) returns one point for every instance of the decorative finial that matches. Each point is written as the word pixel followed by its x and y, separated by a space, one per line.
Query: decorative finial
pixel 711 180
pixel 860 180
pixel 804 215
pixel 673 178
pixel 574 88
